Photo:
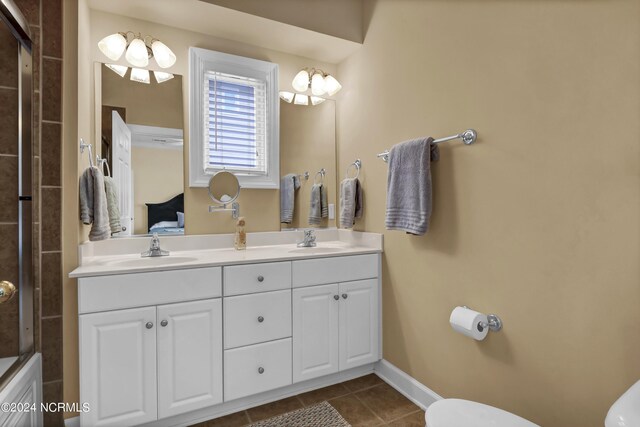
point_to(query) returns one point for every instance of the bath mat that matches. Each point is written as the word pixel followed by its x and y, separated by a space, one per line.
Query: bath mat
pixel 320 415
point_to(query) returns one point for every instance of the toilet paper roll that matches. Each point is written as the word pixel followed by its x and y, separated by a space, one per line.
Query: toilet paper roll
pixel 467 322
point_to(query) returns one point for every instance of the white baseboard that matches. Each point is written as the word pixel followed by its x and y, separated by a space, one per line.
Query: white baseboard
pixel 411 388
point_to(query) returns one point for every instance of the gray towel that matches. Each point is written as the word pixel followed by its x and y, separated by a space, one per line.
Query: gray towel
pixel 351 206
pixel 86 197
pixel 409 185
pixel 288 186
pixel 93 204
pixel 323 201
pixel 315 208
pixel 112 205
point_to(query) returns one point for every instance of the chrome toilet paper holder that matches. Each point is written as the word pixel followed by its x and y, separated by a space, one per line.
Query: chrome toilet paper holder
pixel 494 323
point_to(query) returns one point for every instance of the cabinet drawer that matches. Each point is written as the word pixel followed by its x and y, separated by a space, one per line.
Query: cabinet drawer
pixel 119 291
pixel 334 270
pixel 257 368
pixel 250 319
pixel 248 279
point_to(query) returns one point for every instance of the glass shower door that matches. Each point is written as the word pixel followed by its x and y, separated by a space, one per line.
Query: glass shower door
pixel 16 289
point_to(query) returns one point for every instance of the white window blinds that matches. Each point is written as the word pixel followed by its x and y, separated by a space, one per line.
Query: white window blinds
pixel 235 124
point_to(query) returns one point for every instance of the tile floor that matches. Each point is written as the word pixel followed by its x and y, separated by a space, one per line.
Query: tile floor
pixel 364 401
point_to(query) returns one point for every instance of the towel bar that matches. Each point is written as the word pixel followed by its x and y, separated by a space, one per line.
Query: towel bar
pixel 468 137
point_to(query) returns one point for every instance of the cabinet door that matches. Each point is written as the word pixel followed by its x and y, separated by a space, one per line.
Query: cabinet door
pixel 189 356
pixel 118 367
pixel 315 331
pixel 358 323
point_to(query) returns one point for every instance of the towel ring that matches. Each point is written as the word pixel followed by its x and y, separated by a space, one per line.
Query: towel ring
pixel 358 165
pixel 103 163
pixel 321 172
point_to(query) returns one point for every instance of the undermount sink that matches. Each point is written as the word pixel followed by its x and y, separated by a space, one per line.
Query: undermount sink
pixel 315 250
pixel 154 261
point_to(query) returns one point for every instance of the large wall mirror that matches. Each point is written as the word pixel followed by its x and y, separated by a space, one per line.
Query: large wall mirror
pixel 307 157
pixel 141 131
pixel 140 126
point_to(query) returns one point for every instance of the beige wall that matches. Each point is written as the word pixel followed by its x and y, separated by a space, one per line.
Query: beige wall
pixel 537 222
pixel 157 178
pixel 154 104
pixel 308 143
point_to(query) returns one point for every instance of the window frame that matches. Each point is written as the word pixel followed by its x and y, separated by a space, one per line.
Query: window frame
pixel 202 61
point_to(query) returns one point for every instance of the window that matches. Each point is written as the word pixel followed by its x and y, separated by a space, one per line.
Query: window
pixel 234 119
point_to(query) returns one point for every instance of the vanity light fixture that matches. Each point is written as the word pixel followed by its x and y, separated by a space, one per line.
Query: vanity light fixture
pixel 286 96
pixel 300 99
pixel 317 80
pixel 140 75
pixel 161 76
pixel 138 49
pixel 120 70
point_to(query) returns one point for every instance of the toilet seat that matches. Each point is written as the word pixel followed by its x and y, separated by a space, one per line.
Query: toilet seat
pixel 465 413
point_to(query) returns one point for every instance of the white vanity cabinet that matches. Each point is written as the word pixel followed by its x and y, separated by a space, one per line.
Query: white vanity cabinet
pixel 336 326
pixel 165 346
pixel 141 364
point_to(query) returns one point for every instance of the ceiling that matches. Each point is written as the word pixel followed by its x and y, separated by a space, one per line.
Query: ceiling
pixel 226 23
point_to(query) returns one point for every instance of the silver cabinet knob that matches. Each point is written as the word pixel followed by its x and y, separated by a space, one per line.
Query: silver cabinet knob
pixel 149 325
pixel 261 370
pixel 260 319
pixel 344 296
pixel 164 323
pixel 336 297
pixel 260 278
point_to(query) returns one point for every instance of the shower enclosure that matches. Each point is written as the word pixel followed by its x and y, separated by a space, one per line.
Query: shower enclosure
pixel 16 225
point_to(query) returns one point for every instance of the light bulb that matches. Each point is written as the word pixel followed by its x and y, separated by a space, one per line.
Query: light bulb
pixel 113 46
pixel 331 85
pixel 164 56
pixel 316 100
pixel 286 96
pixel 301 81
pixel 120 70
pixel 137 53
pixel 162 77
pixel 140 75
pixel 300 99
pixel 317 84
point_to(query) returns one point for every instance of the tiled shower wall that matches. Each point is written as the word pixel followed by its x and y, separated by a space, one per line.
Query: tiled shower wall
pixel 45 19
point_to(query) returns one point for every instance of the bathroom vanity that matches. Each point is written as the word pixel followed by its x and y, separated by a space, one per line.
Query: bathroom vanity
pixel 209 330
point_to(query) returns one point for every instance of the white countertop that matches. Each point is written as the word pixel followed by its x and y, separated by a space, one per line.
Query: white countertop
pixel 122 256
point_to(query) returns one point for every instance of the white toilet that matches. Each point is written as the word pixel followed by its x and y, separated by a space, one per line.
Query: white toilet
pixel 625 412
pixel 465 413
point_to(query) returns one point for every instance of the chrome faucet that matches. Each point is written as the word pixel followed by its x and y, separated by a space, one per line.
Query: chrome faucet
pixel 154 248
pixel 309 240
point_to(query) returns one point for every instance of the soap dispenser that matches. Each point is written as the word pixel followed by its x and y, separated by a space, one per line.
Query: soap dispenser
pixel 241 235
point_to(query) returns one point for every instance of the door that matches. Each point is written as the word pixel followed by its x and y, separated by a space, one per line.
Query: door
pixel 189 356
pixel 121 154
pixel 118 368
pixel 315 331
pixel 358 323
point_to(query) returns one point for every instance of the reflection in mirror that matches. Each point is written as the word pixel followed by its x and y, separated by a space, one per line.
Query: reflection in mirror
pixel 307 144
pixel 224 187
pixel 142 140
